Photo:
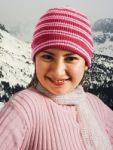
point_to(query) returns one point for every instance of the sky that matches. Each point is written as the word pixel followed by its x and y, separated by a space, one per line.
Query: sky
pixel 27 12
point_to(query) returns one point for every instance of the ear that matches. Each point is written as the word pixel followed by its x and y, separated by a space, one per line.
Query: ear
pixel 86 68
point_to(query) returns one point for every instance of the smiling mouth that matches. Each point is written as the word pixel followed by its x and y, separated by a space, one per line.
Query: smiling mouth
pixel 59 81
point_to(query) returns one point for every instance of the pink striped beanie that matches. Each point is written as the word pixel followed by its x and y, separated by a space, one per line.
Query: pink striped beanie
pixel 63 28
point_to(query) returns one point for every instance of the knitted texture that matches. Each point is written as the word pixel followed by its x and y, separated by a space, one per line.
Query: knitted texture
pixel 92 132
pixel 30 121
pixel 63 28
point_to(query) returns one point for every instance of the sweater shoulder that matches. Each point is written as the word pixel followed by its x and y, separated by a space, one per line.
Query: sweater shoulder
pixel 28 95
pixel 96 103
pixel 28 92
pixel 93 99
pixel 28 103
pixel 98 106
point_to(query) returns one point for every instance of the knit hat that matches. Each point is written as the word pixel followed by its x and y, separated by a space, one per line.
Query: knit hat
pixel 63 28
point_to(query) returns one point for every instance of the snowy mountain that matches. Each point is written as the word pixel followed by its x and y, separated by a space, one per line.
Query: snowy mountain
pixel 103 25
pixel 99 78
pixel 103 37
pixel 15 61
pixel 16 67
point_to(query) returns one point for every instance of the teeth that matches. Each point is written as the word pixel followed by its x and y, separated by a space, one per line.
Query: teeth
pixel 59 81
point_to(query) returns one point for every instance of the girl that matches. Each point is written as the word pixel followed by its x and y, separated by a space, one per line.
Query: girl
pixel 54 112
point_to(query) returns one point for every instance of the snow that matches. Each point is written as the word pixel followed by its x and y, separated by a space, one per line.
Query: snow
pixel 105 48
pixel 1 105
pixel 14 58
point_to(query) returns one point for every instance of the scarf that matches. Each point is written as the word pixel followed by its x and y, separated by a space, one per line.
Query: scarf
pixel 92 131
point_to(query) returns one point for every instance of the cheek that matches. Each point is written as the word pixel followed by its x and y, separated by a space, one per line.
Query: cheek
pixel 41 69
pixel 77 71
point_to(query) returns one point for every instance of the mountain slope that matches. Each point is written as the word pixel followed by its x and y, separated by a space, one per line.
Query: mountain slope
pixel 104 25
pixel 16 65
pixel 103 36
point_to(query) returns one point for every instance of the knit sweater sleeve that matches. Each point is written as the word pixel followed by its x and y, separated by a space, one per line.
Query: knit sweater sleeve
pixel 108 119
pixel 12 128
pixel 15 124
pixel 105 114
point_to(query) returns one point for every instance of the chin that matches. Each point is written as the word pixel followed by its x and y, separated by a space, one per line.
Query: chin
pixel 58 92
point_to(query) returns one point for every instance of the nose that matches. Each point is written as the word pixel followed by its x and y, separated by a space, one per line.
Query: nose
pixel 58 69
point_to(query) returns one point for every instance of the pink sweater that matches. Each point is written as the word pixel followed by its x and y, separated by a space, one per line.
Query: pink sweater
pixel 30 121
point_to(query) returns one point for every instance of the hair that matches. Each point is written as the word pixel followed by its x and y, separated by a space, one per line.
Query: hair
pixel 34 81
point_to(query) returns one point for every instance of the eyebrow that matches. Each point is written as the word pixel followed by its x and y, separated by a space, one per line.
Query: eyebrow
pixel 67 54
pixel 48 52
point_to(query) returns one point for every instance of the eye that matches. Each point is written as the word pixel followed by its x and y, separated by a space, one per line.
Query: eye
pixel 47 57
pixel 71 59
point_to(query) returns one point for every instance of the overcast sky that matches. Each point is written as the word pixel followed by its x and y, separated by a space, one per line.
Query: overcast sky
pixel 13 12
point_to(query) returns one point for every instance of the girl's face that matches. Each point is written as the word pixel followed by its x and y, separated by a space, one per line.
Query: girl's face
pixel 59 71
